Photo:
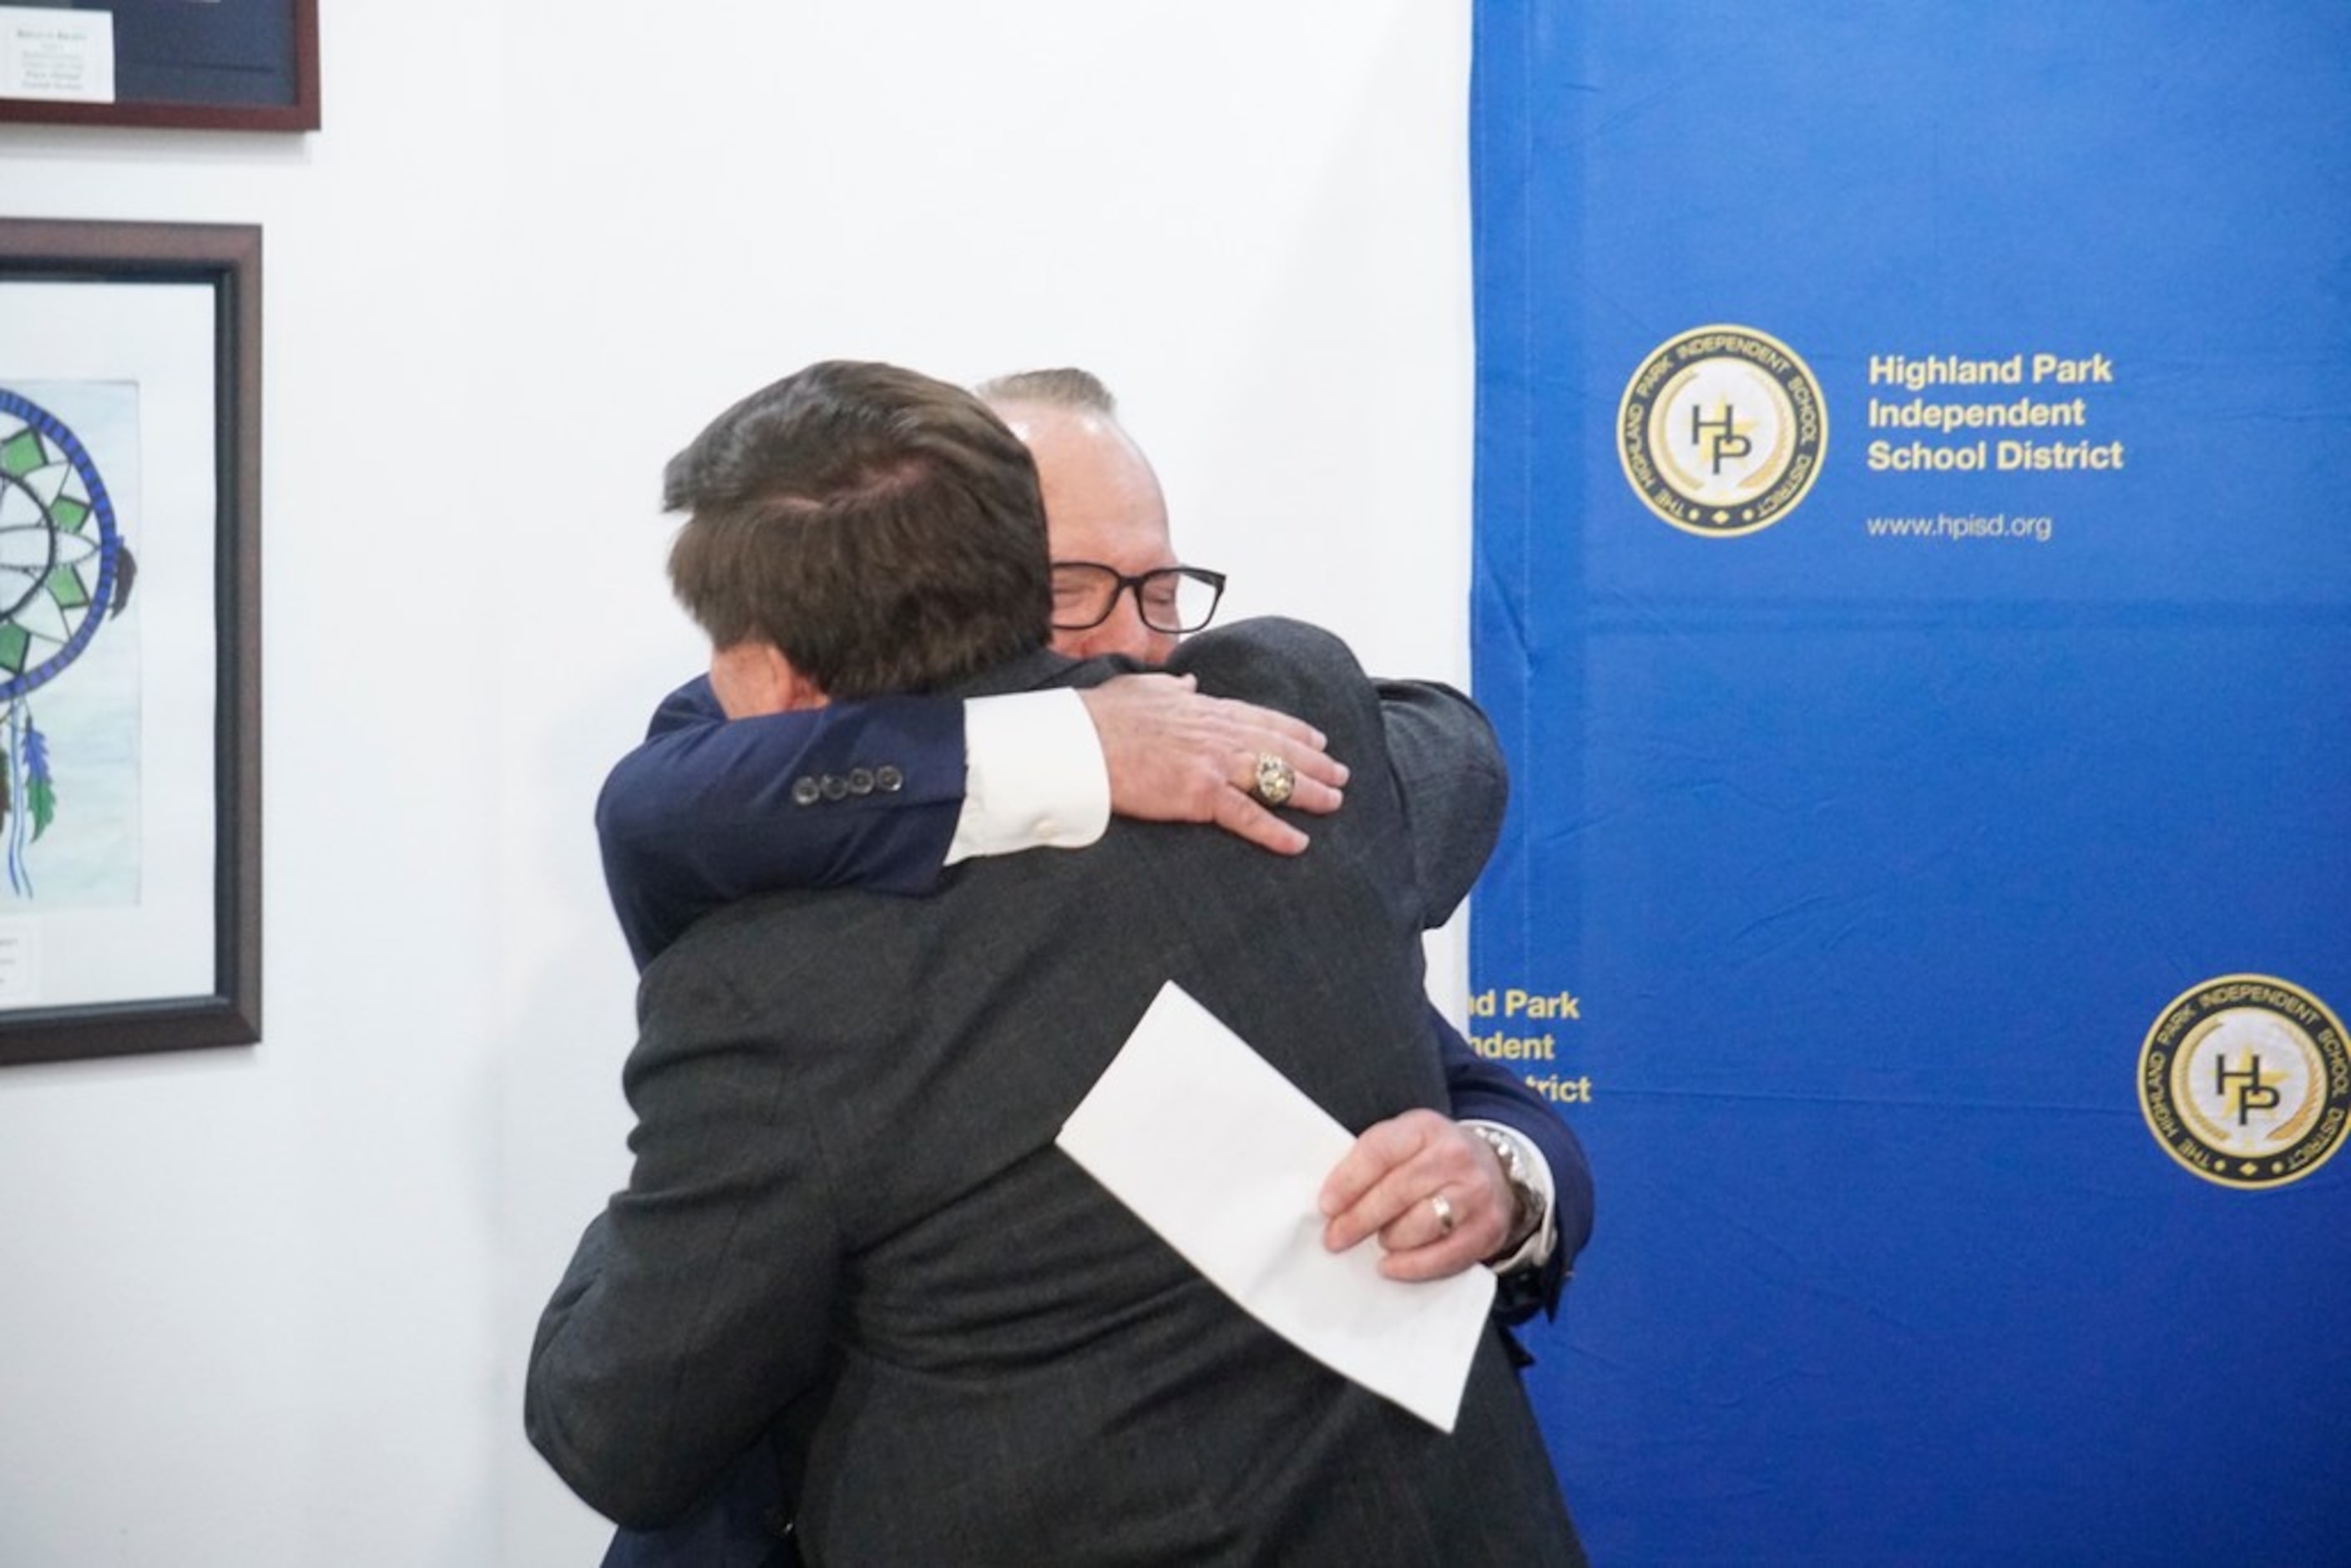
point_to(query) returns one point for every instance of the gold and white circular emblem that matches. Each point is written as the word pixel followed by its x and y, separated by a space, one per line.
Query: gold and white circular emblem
pixel 2246 1080
pixel 1722 430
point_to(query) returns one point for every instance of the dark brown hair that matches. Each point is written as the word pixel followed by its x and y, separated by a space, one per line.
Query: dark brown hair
pixel 883 530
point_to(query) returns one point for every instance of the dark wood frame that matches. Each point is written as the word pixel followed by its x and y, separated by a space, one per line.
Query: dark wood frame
pixel 300 82
pixel 227 259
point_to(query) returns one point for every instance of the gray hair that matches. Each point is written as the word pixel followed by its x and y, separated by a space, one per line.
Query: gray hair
pixel 1079 390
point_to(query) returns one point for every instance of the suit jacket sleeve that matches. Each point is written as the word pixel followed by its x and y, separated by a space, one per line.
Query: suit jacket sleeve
pixel 1426 724
pixel 708 810
pixel 699 1304
pixel 1450 770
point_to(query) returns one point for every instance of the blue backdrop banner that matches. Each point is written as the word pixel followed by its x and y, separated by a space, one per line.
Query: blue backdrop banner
pixel 1914 585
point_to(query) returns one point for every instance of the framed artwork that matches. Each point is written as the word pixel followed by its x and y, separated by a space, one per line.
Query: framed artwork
pixel 130 638
pixel 218 65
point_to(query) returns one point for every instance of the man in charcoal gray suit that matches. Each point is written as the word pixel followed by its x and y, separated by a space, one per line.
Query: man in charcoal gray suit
pixel 848 1215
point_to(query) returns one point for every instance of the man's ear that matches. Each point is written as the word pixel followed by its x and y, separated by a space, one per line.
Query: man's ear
pixel 752 677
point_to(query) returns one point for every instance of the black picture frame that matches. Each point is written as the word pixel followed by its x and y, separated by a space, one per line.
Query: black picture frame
pixel 114 261
pixel 217 65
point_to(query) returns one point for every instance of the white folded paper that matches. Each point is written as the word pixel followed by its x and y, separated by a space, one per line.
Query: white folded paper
pixel 1224 1157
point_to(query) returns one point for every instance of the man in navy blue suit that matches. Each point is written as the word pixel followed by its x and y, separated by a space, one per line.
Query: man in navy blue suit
pixel 884 793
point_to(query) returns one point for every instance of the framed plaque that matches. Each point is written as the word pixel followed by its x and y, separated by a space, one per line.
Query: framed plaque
pixel 222 64
pixel 130 642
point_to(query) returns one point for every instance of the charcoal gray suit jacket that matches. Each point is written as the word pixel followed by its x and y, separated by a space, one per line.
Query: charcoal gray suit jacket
pixel 846 1202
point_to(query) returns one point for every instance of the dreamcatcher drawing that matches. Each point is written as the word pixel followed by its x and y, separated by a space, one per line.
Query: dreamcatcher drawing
pixel 64 573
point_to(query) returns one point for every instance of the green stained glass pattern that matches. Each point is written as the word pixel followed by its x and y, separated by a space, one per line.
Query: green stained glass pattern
pixel 22 453
pixel 69 514
pixel 65 586
pixel 15 640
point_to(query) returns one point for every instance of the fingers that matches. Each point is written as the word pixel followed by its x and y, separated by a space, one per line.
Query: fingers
pixel 1238 815
pixel 1238 811
pixel 1276 725
pixel 1385 1187
pixel 1317 779
pixel 1306 749
pixel 1380 1177
pixel 1318 796
pixel 1418 1247
pixel 1315 796
pixel 1172 755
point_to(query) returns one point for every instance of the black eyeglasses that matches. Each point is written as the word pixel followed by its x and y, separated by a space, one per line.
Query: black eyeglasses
pixel 1172 599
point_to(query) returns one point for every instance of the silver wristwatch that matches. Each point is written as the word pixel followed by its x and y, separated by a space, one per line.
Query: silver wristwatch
pixel 1527 1204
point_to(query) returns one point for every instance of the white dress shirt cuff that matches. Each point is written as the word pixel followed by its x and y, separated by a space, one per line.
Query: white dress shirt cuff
pixel 1535 1251
pixel 1033 776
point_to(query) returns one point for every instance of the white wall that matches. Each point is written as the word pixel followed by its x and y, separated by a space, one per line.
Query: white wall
pixel 270 1306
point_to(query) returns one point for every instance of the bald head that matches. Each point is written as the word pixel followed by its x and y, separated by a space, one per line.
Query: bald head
pixel 1102 503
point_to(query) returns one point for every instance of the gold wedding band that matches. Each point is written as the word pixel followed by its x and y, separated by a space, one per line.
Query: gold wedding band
pixel 1276 779
pixel 1444 1207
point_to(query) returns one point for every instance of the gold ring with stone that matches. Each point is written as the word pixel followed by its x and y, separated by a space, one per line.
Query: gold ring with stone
pixel 1446 1218
pixel 1276 779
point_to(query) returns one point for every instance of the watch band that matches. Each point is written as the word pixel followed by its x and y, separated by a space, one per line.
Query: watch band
pixel 1527 1211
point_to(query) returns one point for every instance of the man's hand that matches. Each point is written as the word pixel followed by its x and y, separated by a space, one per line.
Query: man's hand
pixel 1384 1186
pixel 1174 756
